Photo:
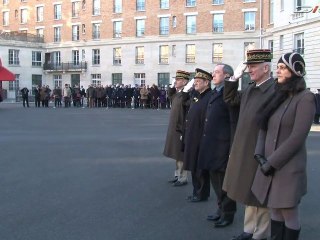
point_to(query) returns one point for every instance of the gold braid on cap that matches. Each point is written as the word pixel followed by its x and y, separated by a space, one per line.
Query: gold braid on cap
pixel 202 75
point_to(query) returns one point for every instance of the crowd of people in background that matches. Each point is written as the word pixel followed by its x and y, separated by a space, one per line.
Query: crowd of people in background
pixel 113 96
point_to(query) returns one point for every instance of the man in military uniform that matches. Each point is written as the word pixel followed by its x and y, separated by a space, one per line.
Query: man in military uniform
pixel 195 121
pixel 173 146
pixel 241 166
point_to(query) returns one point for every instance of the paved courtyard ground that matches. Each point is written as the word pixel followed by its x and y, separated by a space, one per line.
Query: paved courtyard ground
pixel 99 174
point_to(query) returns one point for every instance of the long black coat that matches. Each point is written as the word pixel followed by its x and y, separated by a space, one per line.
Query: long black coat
pixel 216 138
pixel 194 129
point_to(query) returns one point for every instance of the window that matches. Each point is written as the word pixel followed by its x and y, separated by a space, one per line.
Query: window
pixel 281 42
pixel 75 57
pixel 5 2
pixel 271 4
pixel 173 51
pixel 164 26
pixel 14 57
pixel 5 18
pixel 218 23
pixel 163 79
pixel 75 32
pixel 36 81
pixel 36 59
pixel 117 29
pixel 117 56
pixel 140 79
pixel 40 14
pixel 191 3
pixel 24 16
pixel 83 52
pixel 96 7
pixel 298 4
pixel 218 2
pixel 249 21
pixel 190 53
pixel 14 85
pixel 83 29
pixel 75 9
pixel 139 55
pixel 217 52
pixel 164 54
pixel 191 24
pixel 246 1
pixel 96 31
pixel 96 56
pixel 40 32
pixel 83 4
pixel 96 79
pixel 56 58
pixel 116 78
pixel 16 14
pixel 270 45
pixel 57 80
pixel 299 43
pixel 57 12
pixel 140 24
pixel 164 4
pixel 141 5
pixel 174 21
pixel 117 6
pixel 281 5
pixel 57 34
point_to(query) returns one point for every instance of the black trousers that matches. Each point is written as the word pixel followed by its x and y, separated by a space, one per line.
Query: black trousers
pixel 201 183
pixel 226 206
pixel 25 100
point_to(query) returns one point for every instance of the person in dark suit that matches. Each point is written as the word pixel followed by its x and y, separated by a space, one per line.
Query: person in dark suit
pixel 25 96
pixel 173 145
pixel 215 145
pixel 285 120
pixel 195 121
pixel 37 96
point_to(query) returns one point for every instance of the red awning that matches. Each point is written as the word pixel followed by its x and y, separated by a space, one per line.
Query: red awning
pixel 5 74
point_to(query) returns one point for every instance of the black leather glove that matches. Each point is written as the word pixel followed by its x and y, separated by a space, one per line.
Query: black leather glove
pixel 260 159
pixel 267 169
pixel 265 166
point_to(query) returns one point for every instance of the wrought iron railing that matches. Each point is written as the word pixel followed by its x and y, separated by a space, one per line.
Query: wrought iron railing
pixel 65 66
pixel 19 36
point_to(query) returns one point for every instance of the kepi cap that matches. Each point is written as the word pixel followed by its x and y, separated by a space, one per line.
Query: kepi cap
pixel 258 56
pixel 203 74
pixel 182 74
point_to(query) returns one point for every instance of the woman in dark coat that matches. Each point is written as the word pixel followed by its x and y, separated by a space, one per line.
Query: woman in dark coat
pixel 285 120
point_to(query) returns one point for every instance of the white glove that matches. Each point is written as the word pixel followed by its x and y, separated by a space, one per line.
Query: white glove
pixel 239 72
pixel 188 86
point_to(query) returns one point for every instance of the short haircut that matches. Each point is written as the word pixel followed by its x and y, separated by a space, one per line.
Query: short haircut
pixel 227 69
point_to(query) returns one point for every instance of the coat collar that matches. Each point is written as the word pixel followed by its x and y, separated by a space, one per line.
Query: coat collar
pixel 266 85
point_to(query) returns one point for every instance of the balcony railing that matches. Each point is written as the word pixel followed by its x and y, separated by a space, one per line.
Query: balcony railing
pixel 18 36
pixel 65 67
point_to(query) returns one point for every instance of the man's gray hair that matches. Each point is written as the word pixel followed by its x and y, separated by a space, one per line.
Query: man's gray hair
pixel 227 69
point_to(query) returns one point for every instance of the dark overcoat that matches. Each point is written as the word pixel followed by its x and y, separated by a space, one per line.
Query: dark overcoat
pixel 241 166
pixel 216 137
pixel 173 146
pixel 194 129
pixel 283 144
pixel 317 96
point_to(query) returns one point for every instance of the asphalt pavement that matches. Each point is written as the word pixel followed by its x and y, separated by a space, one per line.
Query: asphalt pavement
pixel 99 174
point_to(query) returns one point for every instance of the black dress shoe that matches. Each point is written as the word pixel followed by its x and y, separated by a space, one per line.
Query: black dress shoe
pixel 215 217
pixel 222 223
pixel 243 236
pixel 173 180
pixel 178 184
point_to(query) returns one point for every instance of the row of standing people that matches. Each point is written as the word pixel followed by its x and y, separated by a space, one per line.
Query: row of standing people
pixel 257 158
pixel 98 96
